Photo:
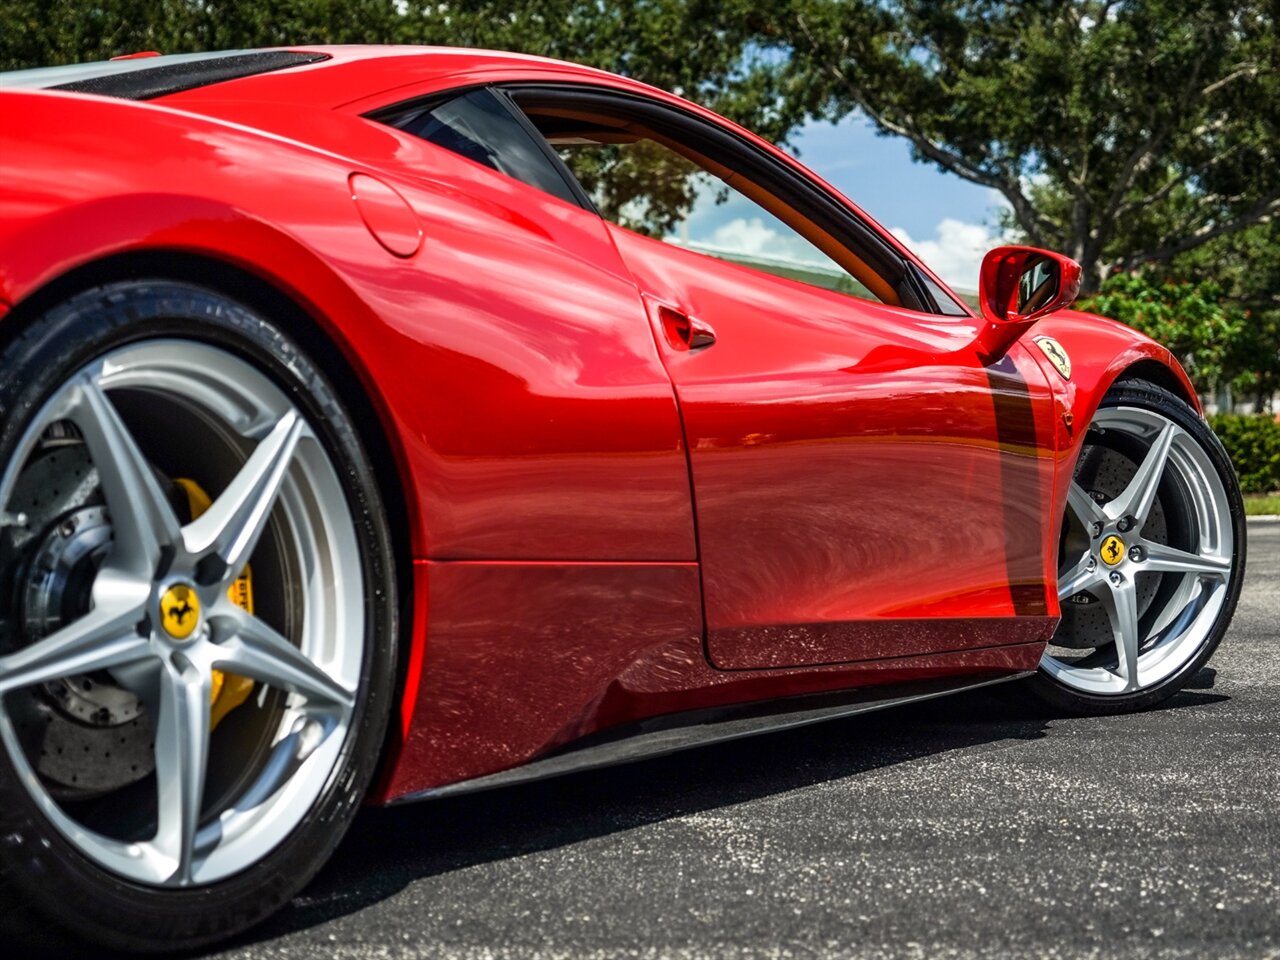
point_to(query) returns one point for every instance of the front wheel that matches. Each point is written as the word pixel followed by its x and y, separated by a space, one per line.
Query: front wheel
pixel 197 617
pixel 1151 556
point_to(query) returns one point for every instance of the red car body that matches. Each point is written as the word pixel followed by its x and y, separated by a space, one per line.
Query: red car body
pixel 596 529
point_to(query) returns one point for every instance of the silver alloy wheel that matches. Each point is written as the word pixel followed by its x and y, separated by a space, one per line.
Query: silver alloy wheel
pixel 1149 645
pixel 282 487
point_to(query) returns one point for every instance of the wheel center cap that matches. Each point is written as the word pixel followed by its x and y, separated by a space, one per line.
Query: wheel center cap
pixel 1112 550
pixel 179 611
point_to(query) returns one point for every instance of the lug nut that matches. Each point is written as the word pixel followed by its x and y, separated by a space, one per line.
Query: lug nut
pixel 1095 529
pixel 1125 524
pixel 1116 579
pixel 1091 564
pixel 1135 554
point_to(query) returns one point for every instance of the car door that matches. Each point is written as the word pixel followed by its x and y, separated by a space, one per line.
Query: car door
pixel 864 486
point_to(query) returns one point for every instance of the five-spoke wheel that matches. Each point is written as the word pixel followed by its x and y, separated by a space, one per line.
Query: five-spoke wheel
pixel 1150 556
pixel 195 572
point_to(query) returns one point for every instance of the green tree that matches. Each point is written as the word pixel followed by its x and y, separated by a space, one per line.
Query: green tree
pixel 36 33
pixel 1247 264
pixel 1120 132
pixel 1196 321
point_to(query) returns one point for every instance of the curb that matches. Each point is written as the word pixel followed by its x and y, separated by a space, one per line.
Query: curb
pixel 1264 518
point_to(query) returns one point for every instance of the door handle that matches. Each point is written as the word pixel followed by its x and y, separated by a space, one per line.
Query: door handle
pixel 684 332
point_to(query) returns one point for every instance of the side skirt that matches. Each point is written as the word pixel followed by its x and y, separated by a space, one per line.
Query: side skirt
pixel 684 731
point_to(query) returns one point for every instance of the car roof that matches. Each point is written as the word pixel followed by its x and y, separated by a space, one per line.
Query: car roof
pixel 316 76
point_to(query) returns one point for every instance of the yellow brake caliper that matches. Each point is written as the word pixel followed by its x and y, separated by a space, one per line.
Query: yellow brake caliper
pixel 229 690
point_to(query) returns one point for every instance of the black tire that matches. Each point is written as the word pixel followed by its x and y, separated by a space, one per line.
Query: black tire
pixel 39 868
pixel 1066 699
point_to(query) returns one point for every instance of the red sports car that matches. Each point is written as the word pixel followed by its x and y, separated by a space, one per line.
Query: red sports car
pixel 382 423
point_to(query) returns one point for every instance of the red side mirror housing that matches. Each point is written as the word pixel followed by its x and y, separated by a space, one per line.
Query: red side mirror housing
pixel 1018 286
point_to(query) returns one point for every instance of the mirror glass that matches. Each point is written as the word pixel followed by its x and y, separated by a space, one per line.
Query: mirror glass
pixel 1038 284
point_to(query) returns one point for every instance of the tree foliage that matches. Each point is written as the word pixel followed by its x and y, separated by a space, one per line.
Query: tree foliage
pixel 1247 264
pixel 1121 132
pixel 1194 320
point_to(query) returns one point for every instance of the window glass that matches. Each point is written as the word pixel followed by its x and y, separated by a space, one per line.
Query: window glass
pixel 642 184
pixel 478 126
pixel 947 305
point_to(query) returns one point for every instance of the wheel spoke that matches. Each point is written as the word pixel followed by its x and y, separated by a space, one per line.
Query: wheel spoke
pixel 1121 604
pixel 105 637
pixel 231 527
pixel 1079 578
pixel 1164 559
pixel 182 747
pixel 142 519
pixel 1086 509
pixel 253 649
pixel 1138 496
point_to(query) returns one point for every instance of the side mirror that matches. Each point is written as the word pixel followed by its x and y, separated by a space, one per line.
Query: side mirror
pixel 1017 287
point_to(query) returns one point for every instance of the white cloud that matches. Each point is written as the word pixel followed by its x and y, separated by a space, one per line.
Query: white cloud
pixel 753 237
pixel 956 252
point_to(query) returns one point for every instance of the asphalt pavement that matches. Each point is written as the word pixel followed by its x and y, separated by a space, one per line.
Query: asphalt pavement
pixel 967 827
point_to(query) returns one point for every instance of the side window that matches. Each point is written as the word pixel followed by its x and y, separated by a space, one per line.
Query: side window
pixel 647 181
pixel 480 127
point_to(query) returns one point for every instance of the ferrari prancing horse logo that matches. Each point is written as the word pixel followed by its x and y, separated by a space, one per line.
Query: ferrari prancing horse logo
pixel 180 611
pixel 1112 550
pixel 1056 354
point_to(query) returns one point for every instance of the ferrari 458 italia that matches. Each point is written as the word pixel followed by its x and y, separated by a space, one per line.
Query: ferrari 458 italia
pixel 386 423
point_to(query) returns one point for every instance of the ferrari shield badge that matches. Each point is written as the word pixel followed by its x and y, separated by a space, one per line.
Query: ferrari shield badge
pixel 1112 550
pixel 1057 356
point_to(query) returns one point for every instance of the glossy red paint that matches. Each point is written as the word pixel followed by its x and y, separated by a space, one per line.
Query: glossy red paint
pixel 1001 275
pixel 514 320
pixel 866 487
pixel 388 215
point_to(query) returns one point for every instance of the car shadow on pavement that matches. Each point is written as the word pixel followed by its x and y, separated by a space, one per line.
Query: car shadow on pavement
pixel 388 849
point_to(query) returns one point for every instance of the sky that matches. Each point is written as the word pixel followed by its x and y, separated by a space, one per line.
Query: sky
pixel 949 222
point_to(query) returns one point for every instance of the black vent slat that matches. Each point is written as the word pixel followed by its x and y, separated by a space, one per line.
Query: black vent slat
pixel 170 78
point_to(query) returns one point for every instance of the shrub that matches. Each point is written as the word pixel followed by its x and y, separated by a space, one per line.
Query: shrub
pixel 1253 441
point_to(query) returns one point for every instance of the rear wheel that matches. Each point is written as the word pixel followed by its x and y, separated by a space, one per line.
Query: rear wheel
pixel 197 617
pixel 1151 556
